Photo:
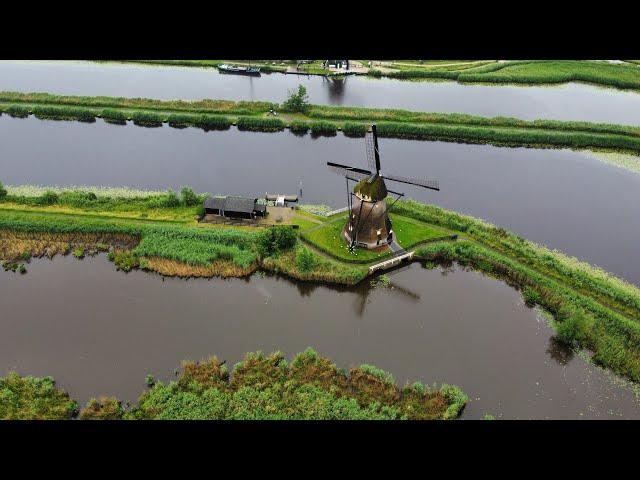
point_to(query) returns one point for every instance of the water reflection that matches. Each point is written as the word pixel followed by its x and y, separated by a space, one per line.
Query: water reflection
pixel 336 89
pixel 100 332
pixel 560 352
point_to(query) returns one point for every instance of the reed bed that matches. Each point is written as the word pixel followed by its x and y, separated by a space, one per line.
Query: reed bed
pixel 148 119
pixel 217 268
pixel 327 129
pixel 116 117
pixel 50 112
pixel 352 129
pixel 299 127
pixel 260 124
pixel 17 111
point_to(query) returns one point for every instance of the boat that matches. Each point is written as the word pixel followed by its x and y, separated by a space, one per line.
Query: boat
pixel 239 70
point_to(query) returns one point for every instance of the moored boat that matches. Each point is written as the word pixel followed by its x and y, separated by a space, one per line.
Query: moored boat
pixel 239 70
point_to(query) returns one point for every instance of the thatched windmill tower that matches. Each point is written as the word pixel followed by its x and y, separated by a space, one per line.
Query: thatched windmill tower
pixel 368 225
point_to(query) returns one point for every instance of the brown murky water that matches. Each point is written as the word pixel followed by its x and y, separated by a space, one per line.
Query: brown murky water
pixel 99 331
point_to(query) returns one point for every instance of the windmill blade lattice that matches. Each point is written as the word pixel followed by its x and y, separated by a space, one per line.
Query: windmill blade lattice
pixel 420 182
pixel 370 150
pixel 352 172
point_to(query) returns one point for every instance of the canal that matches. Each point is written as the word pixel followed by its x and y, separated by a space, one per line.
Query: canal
pixel 100 332
pixel 572 101
pixel 567 200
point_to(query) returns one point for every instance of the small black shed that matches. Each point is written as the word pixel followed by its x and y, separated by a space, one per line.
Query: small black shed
pixel 234 207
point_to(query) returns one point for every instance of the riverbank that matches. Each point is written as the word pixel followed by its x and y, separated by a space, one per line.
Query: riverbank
pixel 325 121
pixel 260 387
pixel 592 309
pixel 624 76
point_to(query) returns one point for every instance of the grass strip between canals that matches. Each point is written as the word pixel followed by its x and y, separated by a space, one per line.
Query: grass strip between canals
pixel 326 120
pixel 260 387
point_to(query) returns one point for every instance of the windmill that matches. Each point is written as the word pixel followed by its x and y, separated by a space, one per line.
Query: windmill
pixel 368 225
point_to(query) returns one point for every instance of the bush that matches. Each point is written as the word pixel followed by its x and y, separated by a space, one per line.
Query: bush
pixel 47 198
pixel 106 408
pixel 298 101
pixel 274 240
pixel 33 398
pixel 189 197
pixel 306 260
pixel 167 200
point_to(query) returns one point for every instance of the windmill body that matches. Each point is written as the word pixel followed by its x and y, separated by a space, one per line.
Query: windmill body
pixel 368 225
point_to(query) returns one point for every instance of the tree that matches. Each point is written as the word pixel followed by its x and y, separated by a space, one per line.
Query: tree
pixel 297 101
pixel 3 191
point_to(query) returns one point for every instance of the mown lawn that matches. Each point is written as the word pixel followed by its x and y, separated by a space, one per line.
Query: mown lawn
pixel 410 232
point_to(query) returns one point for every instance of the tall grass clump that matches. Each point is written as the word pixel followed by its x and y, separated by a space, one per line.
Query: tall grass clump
pixel 351 129
pixel 259 124
pixel 181 120
pixel 147 119
pixel 18 111
pixel 299 127
pixel 116 117
pixel 213 122
pixel 50 112
pixel 323 128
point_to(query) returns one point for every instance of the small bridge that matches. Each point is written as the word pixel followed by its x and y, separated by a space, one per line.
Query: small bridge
pixel 391 262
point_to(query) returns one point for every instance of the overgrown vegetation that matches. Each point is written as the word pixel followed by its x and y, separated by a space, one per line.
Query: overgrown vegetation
pixel 32 398
pixel 325 120
pixel 261 387
pixel 310 387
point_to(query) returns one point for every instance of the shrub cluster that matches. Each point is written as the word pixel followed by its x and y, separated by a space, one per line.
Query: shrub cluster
pixel 273 240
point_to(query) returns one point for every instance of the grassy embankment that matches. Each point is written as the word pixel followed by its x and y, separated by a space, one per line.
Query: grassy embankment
pixel 327 120
pixel 260 387
pixel 156 231
pixel 530 72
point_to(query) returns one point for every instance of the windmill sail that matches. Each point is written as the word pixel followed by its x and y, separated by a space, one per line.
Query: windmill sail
pixel 347 171
pixel 420 182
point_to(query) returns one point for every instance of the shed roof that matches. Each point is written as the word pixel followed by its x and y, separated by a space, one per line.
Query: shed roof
pixel 215 203
pixel 239 204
